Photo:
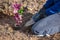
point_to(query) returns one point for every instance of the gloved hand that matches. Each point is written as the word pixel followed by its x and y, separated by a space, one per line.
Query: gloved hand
pixel 36 17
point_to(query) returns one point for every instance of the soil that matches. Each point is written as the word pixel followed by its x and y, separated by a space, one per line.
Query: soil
pixel 7 30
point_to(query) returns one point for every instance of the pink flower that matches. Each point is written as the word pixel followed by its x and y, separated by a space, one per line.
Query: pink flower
pixel 17 17
pixel 16 7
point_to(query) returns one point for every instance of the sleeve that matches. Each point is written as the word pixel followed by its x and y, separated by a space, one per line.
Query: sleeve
pixel 48 3
pixel 54 9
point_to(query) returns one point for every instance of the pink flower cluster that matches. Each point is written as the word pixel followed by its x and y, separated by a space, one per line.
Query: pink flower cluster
pixel 17 17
